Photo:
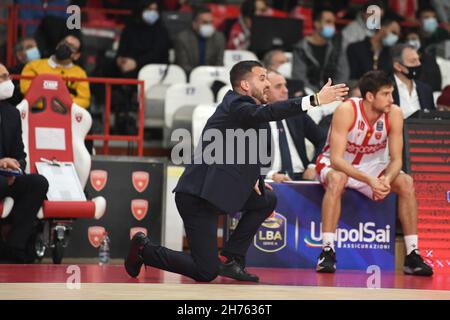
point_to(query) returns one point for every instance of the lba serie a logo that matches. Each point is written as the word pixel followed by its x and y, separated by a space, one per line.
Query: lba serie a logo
pixel 271 236
pixel 366 236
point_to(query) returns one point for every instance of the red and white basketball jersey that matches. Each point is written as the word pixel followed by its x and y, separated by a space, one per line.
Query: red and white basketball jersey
pixel 365 143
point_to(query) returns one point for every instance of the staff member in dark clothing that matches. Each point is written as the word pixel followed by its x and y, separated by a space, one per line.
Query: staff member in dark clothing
pixel 28 190
pixel 206 190
pixel 143 41
pixel 373 53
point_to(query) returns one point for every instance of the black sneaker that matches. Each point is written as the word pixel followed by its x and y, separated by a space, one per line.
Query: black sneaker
pixel 327 261
pixel 134 260
pixel 233 269
pixel 415 265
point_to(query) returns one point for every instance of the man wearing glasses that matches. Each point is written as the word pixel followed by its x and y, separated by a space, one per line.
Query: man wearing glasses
pixel 67 52
pixel 27 190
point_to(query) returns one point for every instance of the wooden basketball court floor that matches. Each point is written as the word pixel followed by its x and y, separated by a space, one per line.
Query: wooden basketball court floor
pixel 47 281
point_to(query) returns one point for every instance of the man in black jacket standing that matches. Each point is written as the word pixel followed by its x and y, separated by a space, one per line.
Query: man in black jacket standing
pixel 206 190
pixel 27 190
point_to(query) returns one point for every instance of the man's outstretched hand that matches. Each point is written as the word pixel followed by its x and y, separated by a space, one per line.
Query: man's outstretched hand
pixel 330 93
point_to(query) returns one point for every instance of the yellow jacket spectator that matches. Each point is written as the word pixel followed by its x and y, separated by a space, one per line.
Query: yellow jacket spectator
pixel 61 63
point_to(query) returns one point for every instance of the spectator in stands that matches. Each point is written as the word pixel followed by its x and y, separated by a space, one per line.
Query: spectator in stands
pixel 51 30
pixel 409 93
pixel 430 32
pixel 290 160
pixel 278 61
pixel 442 9
pixel 26 51
pixel 62 63
pixel 200 45
pixel 27 190
pixel 430 73
pixel 274 59
pixel 144 40
pixel 354 91
pixel 239 38
pixel 318 57
pixel 357 30
pixel 443 102
pixel 29 11
pixel 373 53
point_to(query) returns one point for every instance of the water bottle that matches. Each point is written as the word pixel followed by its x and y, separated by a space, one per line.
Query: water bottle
pixel 103 252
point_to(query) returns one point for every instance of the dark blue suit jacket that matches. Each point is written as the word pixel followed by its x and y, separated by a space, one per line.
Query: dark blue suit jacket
pixel 424 91
pixel 228 186
pixel 301 127
pixel 11 134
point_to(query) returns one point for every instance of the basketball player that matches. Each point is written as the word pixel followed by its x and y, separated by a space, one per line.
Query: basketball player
pixel 355 156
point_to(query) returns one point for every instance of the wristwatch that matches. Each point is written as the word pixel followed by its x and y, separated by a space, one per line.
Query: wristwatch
pixel 313 100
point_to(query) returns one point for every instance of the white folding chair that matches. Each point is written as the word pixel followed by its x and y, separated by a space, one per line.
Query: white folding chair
pixel 179 95
pixel 231 57
pixel 157 78
pixel 444 66
pixel 200 116
pixel 154 74
pixel 208 74
pixel 222 92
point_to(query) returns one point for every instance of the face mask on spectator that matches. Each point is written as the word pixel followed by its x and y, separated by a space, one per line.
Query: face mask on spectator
pixel 413 72
pixel 63 52
pixel 285 70
pixel 370 33
pixel 430 25
pixel 206 30
pixel 390 39
pixel 32 54
pixel 415 43
pixel 328 31
pixel 150 16
pixel 6 89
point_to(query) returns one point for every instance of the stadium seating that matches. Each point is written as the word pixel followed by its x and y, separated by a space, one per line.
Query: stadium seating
pixel 222 92
pixel 180 102
pixel 208 74
pixel 231 57
pixel 157 78
pixel 200 116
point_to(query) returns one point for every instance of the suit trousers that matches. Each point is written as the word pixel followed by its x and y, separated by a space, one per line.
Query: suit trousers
pixel 201 221
pixel 28 192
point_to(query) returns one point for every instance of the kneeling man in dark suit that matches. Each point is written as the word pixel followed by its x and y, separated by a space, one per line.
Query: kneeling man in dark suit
pixel 233 183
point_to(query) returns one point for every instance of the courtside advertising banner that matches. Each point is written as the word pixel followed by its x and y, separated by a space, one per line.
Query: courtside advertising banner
pixel 291 236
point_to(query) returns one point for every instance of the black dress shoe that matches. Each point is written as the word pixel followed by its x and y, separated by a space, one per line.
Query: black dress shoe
pixel 134 260
pixel 232 269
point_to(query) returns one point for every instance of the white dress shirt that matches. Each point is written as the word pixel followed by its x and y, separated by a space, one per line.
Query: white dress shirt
pixel 297 163
pixel 409 103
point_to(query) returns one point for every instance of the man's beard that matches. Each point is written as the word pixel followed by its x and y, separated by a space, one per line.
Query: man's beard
pixel 259 95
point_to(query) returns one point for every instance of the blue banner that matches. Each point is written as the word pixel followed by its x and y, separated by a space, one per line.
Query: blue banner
pixel 291 237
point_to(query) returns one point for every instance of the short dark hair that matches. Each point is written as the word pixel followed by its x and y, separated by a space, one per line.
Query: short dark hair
pixel 267 59
pixel 19 46
pixel 397 51
pixel 198 10
pixel 319 10
pixel 425 8
pixel 240 70
pixel 386 21
pixel 373 81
